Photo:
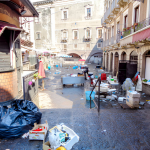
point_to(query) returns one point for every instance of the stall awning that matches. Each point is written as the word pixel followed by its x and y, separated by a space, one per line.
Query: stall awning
pixel 141 35
pixel 6 26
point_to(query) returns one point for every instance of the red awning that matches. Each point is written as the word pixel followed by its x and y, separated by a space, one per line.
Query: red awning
pixel 6 26
pixel 141 35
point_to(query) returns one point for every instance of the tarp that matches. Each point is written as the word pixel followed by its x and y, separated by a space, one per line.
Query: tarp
pixel 18 118
pixel 141 35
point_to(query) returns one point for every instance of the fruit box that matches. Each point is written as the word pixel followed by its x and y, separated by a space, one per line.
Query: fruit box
pixel 39 133
pixel 46 146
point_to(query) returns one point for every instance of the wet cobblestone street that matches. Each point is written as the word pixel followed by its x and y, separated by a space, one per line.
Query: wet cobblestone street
pixel 113 128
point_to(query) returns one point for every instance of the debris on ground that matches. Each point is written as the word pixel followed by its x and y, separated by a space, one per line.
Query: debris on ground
pixel 142 103
pixel 38 132
pixel 25 135
pixel 62 135
pixel 120 99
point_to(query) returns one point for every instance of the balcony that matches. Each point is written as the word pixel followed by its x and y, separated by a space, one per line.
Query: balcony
pixel 115 7
pixel 88 17
pixel 122 3
pixel 64 40
pixel 87 38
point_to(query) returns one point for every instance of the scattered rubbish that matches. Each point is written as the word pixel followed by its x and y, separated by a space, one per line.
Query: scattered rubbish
pixel 82 98
pixel 25 135
pixel 38 132
pixel 127 84
pixel 18 119
pixel 143 93
pixel 140 107
pixel 120 99
pixel 75 85
pixel 148 102
pixel 103 131
pixel 142 103
pixel 114 96
pixel 62 135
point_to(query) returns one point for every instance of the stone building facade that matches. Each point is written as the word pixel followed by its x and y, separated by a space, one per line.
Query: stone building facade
pixel 126 26
pixel 70 27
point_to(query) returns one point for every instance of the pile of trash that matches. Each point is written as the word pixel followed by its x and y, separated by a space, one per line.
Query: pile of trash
pixel 18 118
pixel 127 84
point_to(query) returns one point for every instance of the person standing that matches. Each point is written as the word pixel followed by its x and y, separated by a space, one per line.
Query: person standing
pixel 86 71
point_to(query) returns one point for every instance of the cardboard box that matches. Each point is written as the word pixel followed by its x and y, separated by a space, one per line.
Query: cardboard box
pixel 132 102
pixel 133 94
pixel 38 135
pixel 46 146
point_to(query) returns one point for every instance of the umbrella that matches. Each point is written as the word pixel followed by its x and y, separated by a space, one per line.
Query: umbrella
pixel 41 72
pixel 81 60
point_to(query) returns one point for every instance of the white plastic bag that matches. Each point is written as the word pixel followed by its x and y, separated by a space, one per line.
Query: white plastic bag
pixel 139 84
pixel 54 140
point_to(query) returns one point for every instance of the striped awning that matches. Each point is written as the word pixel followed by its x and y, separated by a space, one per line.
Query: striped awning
pixel 141 35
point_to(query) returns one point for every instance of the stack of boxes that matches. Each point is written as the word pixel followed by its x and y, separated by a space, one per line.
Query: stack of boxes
pixel 133 99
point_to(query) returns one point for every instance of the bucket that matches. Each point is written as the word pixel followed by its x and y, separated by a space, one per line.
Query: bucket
pixel 87 94
pixel 57 66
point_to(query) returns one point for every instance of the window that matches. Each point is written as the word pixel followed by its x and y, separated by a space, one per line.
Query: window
pixel 112 31
pixel 88 12
pixel 75 34
pixel 88 33
pixel 38 36
pixel 99 33
pixel 136 17
pixel 65 47
pixel 36 19
pixel 64 34
pixel 126 21
pixel 75 45
pixel 98 45
pixel 65 14
pixel 87 45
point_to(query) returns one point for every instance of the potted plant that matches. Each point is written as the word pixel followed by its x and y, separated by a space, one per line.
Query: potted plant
pixel 135 24
pixel 124 29
pixel 128 28
pixel 36 76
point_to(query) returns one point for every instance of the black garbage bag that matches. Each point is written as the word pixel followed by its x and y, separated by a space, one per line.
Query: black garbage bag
pixel 18 118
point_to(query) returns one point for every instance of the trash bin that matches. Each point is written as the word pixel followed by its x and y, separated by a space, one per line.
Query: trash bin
pixel 87 94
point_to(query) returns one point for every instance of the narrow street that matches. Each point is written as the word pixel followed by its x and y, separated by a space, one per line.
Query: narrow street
pixel 114 127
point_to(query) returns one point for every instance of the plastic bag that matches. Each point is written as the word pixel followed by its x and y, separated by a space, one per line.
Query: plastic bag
pixel 139 84
pixel 54 139
pixel 127 84
pixel 18 118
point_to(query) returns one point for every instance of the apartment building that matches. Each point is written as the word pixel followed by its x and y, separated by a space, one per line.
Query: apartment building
pixel 126 26
pixel 71 27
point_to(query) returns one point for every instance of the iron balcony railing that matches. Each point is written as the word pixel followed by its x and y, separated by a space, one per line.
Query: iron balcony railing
pixel 118 37
pixel 136 27
pixel 142 24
